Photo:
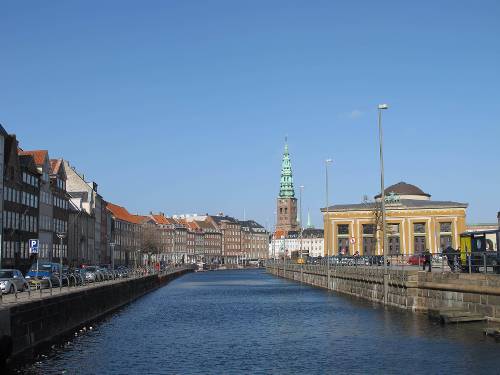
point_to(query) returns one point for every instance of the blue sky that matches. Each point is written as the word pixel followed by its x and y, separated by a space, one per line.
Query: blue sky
pixel 183 106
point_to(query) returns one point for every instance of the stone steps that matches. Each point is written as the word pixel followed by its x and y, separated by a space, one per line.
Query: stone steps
pixel 454 315
pixel 493 332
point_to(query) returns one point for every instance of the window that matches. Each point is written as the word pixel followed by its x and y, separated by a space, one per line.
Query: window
pixel 392 228
pixel 419 228
pixel 369 229
pixel 445 227
pixel 343 229
pixel 394 245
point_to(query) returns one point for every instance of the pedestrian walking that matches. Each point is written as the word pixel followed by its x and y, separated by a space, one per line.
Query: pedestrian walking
pixel 457 260
pixel 449 252
pixel 427 260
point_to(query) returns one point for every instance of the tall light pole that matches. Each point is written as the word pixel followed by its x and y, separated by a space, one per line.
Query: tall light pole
pixel 326 226
pixel 112 249
pixel 382 107
pixel 300 216
pixel 61 236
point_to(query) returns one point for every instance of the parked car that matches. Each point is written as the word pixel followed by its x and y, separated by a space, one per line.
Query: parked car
pixel 74 276
pixel 39 275
pixel 123 272
pixel 12 280
pixel 92 274
pixel 416 259
pixel 375 260
pixel 108 275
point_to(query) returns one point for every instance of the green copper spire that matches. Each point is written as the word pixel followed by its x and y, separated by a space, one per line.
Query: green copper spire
pixel 309 224
pixel 286 185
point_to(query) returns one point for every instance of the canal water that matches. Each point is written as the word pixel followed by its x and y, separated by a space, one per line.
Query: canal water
pixel 247 321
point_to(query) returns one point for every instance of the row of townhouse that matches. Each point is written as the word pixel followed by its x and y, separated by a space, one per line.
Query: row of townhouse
pixel 231 241
pixel 49 200
pixel 33 204
pixel 293 243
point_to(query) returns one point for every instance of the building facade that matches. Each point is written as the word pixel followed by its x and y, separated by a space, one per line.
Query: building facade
pixel 85 197
pixel 81 232
pixel 3 137
pixel 60 201
pixel 46 204
pixel 125 236
pixel 166 235
pixel 254 240
pixel 415 223
pixel 212 239
pixel 20 215
pixel 231 238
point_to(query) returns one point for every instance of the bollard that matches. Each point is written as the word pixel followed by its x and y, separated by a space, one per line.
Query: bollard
pixel 484 262
pixel 74 278
pixel 50 285
pixel 15 291
pixel 29 291
pixel 470 262
pixel 67 278
pixel 442 263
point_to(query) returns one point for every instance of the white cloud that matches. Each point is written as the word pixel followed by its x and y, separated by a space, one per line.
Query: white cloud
pixel 354 114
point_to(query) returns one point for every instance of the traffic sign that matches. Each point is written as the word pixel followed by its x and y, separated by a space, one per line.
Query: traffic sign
pixel 353 240
pixel 33 246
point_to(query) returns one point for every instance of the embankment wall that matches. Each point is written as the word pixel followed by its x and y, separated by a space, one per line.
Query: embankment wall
pixel 32 324
pixel 407 289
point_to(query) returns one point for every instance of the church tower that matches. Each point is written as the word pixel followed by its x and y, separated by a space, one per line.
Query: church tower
pixel 287 203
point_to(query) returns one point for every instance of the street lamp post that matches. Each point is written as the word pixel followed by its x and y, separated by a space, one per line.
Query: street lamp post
pixel 327 225
pixel 273 238
pixel 61 236
pixel 382 107
pixel 300 216
pixel 112 247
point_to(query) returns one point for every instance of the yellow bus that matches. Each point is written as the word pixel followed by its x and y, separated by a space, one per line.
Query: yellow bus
pixel 481 248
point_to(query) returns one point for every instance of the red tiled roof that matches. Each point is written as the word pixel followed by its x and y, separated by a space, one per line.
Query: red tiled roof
pixel 121 213
pixel 279 233
pixel 160 219
pixel 192 225
pixel 55 164
pixel 140 219
pixel 39 156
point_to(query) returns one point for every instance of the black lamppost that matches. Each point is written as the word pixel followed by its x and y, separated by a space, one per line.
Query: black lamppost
pixel 61 236
pixel 112 246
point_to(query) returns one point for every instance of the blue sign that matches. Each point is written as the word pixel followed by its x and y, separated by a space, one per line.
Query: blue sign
pixel 33 246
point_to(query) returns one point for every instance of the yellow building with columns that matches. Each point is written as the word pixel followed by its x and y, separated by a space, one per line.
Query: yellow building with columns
pixel 415 223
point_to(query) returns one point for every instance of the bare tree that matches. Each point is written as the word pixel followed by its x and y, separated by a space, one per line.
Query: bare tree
pixel 376 211
pixel 150 240
pixel 375 208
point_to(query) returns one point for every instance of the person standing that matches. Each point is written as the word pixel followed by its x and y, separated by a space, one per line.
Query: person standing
pixel 427 260
pixel 449 252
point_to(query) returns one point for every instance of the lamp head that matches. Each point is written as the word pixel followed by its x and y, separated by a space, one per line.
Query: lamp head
pixel 383 106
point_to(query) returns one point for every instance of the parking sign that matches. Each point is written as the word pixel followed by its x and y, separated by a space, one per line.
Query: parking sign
pixel 33 246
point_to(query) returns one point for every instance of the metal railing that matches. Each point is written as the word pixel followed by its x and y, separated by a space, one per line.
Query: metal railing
pixel 46 287
pixel 486 262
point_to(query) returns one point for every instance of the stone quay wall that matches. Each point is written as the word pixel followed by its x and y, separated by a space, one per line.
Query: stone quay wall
pixel 34 324
pixel 407 289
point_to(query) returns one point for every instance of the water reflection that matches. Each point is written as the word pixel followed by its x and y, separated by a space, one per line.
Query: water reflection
pixel 250 322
